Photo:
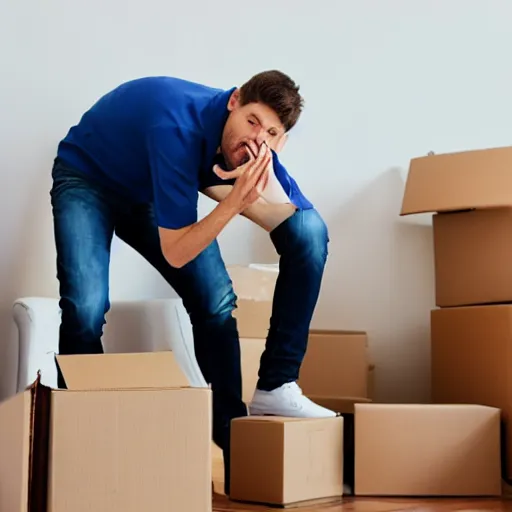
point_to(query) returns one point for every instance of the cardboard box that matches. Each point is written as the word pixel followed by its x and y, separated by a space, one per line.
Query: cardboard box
pixel 122 437
pixel 471 361
pixel 286 461
pixel 471 247
pixel 346 368
pixel 473 255
pixel 346 372
pixel 427 450
pixel 254 287
pixel 336 364
pixel 459 181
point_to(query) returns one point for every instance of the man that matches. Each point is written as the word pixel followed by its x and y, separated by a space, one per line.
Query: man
pixel 134 165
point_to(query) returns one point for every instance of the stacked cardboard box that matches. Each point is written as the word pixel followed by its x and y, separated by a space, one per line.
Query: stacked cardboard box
pixel 399 450
pixel 343 354
pixel 336 373
pixel 130 434
pixel 470 195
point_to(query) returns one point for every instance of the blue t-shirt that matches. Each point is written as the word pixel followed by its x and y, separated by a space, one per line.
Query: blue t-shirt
pixel 155 140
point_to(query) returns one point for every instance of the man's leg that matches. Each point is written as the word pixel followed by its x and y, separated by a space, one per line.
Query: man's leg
pixel 206 290
pixel 301 241
pixel 83 228
pixel 300 238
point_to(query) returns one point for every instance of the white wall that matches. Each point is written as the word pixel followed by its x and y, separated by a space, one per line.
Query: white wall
pixel 384 81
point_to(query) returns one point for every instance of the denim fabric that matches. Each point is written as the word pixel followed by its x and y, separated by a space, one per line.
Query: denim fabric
pixel 86 216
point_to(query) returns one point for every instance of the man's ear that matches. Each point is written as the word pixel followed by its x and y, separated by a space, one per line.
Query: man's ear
pixel 281 142
pixel 234 100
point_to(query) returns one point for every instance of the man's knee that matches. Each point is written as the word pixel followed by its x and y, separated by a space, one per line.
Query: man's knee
pixel 215 300
pixel 85 313
pixel 222 300
pixel 305 233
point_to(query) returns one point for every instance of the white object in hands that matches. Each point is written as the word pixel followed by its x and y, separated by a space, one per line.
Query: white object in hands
pixel 273 192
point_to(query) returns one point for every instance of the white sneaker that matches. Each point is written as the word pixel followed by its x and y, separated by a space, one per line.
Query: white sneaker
pixel 287 400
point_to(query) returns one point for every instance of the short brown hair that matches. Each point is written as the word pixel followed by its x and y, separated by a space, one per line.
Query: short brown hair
pixel 276 90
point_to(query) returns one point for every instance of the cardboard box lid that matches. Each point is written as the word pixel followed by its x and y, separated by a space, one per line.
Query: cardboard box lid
pixel 121 371
pixel 459 181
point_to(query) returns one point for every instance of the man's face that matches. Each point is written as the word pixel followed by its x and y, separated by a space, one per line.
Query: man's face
pixel 247 128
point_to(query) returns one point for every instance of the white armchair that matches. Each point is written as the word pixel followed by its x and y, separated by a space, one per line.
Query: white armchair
pixel 132 326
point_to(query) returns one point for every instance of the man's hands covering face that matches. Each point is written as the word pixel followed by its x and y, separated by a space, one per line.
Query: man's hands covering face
pixel 250 178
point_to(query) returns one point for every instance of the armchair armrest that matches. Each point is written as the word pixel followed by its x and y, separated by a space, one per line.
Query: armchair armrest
pixel 132 326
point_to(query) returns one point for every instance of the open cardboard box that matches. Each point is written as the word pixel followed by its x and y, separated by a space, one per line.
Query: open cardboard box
pixel 127 434
pixel 459 181
pixel 470 193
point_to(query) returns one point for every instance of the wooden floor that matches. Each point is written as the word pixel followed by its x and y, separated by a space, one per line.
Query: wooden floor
pixel 222 504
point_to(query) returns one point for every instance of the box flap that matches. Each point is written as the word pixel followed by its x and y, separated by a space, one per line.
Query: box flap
pixel 40 417
pixel 459 181
pixel 122 371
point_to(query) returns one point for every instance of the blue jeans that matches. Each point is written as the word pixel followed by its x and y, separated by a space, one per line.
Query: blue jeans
pixel 86 216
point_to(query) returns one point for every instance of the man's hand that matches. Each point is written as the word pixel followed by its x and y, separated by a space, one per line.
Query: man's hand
pixel 250 179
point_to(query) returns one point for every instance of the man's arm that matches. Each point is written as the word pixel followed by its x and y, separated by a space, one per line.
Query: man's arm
pixel 267 216
pixel 182 245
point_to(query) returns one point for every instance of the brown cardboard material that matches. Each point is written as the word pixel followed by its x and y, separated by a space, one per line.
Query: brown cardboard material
pixel 459 181
pixel 255 291
pixel 473 255
pixel 347 374
pixel 119 440
pixel 427 450
pixel 470 360
pixel 286 461
pixel 336 364
pixel 345 406
pixel 15 447
pixel 371 382
pixel 250 350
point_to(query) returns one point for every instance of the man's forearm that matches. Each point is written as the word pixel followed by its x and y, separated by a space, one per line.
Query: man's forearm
pixel 192 240
pixel 267 216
